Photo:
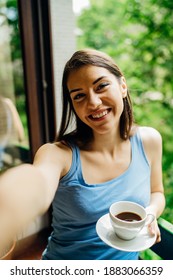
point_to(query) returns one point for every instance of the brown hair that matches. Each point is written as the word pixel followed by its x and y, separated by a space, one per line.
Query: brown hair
pixel 82 134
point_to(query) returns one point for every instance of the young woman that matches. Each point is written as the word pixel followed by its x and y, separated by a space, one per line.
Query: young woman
pixel 105 158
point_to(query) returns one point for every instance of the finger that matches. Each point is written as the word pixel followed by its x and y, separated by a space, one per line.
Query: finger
pixel 158 239
pixel 151 229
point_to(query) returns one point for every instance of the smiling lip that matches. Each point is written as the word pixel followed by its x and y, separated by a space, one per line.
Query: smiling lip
pixel 99 115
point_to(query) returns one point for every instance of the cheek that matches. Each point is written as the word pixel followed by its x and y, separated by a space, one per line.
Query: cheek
pixel 121 106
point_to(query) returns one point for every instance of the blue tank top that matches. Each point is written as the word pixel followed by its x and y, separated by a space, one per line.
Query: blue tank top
pixel 77 206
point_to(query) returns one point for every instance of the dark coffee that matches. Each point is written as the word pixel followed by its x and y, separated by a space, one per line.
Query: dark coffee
pixel 128 216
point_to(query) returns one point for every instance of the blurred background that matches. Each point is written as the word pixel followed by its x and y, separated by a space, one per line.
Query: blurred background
pixel 137 34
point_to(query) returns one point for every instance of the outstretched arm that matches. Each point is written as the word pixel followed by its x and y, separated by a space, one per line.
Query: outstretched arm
pixel 27 191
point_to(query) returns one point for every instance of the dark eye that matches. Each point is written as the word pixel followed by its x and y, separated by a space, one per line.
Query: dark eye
pixel 102 86
pixel 78 96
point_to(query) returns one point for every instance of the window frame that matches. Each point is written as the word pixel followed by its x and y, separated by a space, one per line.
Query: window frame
pixel 35 34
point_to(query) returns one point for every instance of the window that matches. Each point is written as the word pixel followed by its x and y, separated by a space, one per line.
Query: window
pixel 27 98
pixel 14 143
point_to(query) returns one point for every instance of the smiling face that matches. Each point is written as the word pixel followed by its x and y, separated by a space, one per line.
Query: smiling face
pixel 97 97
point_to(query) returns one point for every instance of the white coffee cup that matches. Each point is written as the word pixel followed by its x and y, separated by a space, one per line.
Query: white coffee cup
pixel 126 225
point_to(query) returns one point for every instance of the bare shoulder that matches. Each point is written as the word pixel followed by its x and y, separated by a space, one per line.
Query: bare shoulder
pixel 150 135
pixel 152 142
pixel 53 149
pixel 57 154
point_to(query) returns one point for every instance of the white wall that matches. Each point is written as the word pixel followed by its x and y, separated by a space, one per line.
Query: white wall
pixel 63 43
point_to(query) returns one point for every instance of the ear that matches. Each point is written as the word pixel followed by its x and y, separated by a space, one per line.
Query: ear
pixel 123 86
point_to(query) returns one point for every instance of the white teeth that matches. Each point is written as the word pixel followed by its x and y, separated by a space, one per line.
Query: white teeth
pixel 100 115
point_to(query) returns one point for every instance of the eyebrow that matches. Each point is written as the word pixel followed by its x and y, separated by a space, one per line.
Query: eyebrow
pixel 96 81
pixel 75 89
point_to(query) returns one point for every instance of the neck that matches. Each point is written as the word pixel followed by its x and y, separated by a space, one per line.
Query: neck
pixel 107 142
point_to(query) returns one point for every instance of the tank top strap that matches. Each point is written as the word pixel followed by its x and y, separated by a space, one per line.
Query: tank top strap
pixel 138 150
pixel 75 168
pixel 75 153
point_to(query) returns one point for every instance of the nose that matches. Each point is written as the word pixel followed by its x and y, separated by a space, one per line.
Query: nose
pixel 94 100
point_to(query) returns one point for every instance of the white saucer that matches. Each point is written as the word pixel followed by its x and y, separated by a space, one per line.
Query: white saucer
pixel 105 231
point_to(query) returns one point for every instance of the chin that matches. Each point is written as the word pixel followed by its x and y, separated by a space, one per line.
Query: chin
pixel 104 131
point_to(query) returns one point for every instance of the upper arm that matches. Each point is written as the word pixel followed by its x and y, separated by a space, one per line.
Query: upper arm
pixel 152 142
pixel 52 161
